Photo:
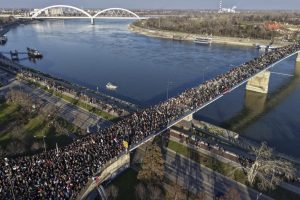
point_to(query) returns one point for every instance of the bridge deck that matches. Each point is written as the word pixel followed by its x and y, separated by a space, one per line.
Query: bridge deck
pixel 208 103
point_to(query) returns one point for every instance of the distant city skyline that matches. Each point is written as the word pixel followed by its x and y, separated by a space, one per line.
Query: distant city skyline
pixel 159 4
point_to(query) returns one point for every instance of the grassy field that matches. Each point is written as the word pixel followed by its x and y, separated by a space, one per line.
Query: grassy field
pixel 81 104
pixel 225 169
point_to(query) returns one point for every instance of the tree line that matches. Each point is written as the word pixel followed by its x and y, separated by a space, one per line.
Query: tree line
pixel 229 25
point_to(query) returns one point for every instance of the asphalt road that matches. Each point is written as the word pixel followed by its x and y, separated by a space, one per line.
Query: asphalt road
pixel 69 112
pixel 198 178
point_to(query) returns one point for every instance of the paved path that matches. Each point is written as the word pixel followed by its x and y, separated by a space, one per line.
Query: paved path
pixel 284 185
pixel 198 178
pixel 69 112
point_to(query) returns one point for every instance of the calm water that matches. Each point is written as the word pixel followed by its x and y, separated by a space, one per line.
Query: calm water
pixel 144 68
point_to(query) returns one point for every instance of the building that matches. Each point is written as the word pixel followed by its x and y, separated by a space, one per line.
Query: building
pixel 49 12
pixel 226 10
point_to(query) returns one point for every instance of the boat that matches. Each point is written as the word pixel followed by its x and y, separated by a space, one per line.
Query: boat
pixel 265 47
pixel 203 40
pixel 3 39
pixel 33 53
pixel 111 86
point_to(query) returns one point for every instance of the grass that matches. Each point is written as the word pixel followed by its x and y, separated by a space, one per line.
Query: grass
pixel 226 169
pixel 30 130
pixel 81 104
pixel 7 112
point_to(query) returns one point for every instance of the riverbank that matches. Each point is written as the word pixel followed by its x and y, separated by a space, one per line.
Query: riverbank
pixel 191 37
pixel 17 22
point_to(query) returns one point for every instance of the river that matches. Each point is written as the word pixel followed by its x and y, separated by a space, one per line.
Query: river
pixel 147 70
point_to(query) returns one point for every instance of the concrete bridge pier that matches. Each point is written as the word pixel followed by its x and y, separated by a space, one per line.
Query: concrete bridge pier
pixel 188 118
pixel 92 21
pixel 259 83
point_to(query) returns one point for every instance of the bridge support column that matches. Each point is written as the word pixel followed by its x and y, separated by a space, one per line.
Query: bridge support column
pixel 298 57
pixel 188 118
pixel 92 21
pixel 259 83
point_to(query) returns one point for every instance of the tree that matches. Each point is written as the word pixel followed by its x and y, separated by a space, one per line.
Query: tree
pixel 112 192
pixel 48 111
pixel 140 192
pixel 152 167
pixel 201 196
pixel 155 191
pixel 267 170
pixel 176 192
pixel 20 98
pixel 231 194
pixel 148 191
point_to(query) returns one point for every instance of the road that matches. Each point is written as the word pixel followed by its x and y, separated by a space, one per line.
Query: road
pixel 69 112
pixel 198 178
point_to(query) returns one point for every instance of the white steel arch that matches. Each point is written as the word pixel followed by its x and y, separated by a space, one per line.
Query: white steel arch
pixel 61 6
pixel 112 9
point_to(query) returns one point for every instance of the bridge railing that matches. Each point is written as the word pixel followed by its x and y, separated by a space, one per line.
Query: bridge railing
pixel 172 123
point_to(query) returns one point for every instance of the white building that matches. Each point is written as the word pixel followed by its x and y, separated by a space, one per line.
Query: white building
pixel 49 12
pixel 226 10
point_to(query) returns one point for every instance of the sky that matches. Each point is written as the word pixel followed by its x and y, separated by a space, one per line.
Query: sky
pixel 158 4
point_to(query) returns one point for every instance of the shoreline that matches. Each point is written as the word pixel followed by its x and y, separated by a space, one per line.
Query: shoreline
pixel 8 27
pixel 179 36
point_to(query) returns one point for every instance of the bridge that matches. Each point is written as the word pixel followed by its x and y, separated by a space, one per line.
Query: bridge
pixel 90 153
pixel 257 106
pixel 254 79
pixel 256 83
pixel 58 13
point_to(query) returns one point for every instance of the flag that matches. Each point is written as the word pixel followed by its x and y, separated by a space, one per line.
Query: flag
pixel 125 144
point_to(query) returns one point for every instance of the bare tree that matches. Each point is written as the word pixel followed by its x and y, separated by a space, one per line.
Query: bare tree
pixel 22 99
pixel 48 111
pixel 201 196
pixel 152 167
pixel 112 192
pixel 155 191
pixel 140 192
pixel 176 192
pixel 231 194
pixel 269 171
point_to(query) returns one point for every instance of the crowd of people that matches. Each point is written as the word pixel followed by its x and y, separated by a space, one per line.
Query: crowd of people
pixel 62 175
pixel 105 104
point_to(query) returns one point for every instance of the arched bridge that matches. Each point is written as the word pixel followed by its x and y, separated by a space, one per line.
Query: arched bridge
pixel 56 12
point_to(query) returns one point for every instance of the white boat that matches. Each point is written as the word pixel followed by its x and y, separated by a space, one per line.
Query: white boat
pixel 265 47
pixel 110 86
pixel 203 40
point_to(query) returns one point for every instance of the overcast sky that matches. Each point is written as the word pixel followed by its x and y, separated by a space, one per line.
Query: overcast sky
pixel 157 4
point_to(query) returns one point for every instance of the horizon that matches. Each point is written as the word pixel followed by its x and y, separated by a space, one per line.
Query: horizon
pixel 254 5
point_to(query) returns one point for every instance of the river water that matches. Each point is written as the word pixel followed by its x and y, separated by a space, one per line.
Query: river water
pixel 147 70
